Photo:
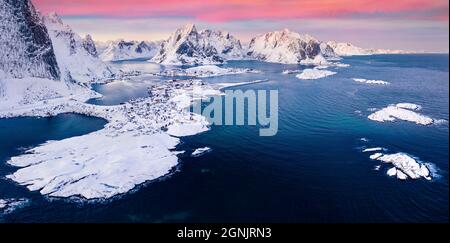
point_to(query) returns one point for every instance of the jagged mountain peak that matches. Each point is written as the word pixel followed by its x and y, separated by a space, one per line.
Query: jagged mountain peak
pixel 189 46
pixel 121 49
pixel 53 17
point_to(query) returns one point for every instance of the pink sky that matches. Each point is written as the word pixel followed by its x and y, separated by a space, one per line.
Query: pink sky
pixel 228 10
pixel 393 24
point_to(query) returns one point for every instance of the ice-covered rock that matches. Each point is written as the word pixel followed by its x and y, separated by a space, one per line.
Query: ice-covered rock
pixel 10 205
pixel 187 46
pixel 367 81
pixel 120 50
pixel 25 46
pixel 406 166
pixel 77 57
pixel 201 151
pixel 314 73
pixel 373 149
pixel 375 156
pixel 289 48
pixel 401 111
pixel 409 106
pixel 291 71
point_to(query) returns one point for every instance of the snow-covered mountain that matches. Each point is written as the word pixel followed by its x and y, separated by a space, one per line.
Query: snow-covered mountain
pixel 120 50
pixel 227 46
pixel 189 46
pixel 30 72
pixel 348 49
pixel 77 57
pixel 289 47
pixel 25 46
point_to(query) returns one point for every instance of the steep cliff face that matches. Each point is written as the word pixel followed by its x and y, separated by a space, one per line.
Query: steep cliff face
pixel 77 57
pixel 89 45
pixel 25 46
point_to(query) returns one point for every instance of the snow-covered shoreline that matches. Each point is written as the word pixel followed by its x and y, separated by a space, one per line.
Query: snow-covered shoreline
pixel 136 145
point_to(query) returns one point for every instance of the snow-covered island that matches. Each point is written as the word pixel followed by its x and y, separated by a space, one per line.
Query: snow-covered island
pixel 367 81
pixel 401 111
pixel 201 151
pixel 404 166
pixel 314 73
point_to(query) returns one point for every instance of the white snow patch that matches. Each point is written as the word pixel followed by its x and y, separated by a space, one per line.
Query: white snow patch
pixel 376 156
pixel 314 74
pixel 201 151
pixel 401 111
pixel 367 81
pixel 373 149
pixel 409 106
pixel 364 139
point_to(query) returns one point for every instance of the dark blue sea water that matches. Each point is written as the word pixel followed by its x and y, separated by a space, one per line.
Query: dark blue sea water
pixel 311 171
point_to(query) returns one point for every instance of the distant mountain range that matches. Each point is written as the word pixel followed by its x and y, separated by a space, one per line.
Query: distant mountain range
pixel 43 46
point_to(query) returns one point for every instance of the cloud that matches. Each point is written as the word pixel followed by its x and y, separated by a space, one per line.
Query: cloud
pixel 232 10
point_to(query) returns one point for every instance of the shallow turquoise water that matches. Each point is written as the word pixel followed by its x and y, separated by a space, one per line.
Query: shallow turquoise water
pixel 312 171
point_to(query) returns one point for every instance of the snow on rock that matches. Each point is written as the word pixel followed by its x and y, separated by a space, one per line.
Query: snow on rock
pixel 409 106
pixel 206 71
pixel 348 49
pixel 291 71
pixel 314 73
pixel 367 81
pixel 406 166
pixel 289 48
pixel 96 165
pixel 392 171
pixel 373 149
pixel 120 50
pixel 187 46
pixel 10 205
pixel 77 57
pixel 201 151
pixel 401 111
pixel 376 155
pixel 364 140
pixel 25 46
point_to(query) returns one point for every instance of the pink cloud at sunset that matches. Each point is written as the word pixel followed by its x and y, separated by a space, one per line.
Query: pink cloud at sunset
pixel 230 10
